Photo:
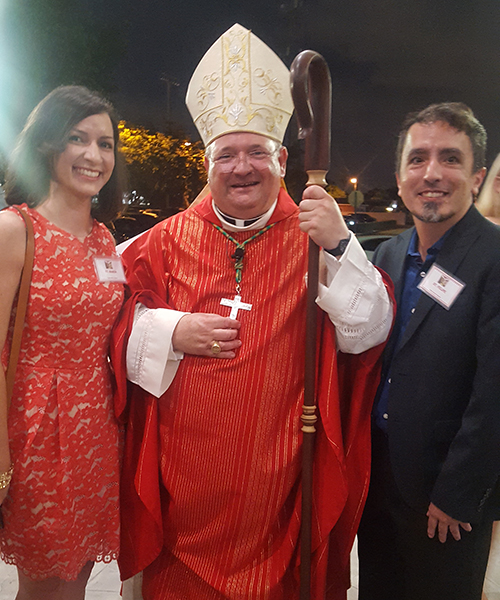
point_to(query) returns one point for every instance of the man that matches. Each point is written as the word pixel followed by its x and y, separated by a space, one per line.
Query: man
pixel 426 528
pixel 211 487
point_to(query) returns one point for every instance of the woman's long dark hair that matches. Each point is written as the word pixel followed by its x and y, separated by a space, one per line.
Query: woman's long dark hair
pixel 44 138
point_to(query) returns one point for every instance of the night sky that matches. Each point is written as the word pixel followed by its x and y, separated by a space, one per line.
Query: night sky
pixel 386 58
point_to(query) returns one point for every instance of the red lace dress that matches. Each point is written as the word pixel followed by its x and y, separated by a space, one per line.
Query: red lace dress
pixel 62 506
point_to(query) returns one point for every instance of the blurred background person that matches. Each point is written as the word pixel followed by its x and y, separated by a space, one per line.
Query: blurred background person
pixel 488 203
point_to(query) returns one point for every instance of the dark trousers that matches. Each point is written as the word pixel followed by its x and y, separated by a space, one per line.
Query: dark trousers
pixel 397 561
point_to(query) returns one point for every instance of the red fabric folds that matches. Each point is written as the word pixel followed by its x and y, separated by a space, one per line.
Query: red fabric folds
pixel 168 273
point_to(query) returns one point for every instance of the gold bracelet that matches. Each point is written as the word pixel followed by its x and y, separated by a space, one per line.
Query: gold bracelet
pixel 6 477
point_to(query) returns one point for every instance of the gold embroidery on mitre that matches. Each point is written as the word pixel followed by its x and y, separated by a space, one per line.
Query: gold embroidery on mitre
pixel 206 92
pixel 234 94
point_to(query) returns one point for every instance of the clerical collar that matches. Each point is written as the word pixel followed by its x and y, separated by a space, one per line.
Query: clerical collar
pixel 232 224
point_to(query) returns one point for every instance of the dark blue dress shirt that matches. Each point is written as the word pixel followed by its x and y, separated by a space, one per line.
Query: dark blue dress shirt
pixel 415 271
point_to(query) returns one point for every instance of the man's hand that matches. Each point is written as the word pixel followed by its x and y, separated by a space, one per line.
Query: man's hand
pixel 321 219
pixel 195 333
pixel 440 520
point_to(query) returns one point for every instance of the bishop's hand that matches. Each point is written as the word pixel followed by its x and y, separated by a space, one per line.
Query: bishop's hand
pixel 196 333
pixel 321 219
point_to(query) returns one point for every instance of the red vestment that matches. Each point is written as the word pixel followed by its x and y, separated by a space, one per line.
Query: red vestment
pixel 211 479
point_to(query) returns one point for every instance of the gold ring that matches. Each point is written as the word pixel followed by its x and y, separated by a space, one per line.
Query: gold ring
pixel 215 347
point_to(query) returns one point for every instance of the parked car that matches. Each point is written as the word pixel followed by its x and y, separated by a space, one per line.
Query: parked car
pixel 355 218
pixel 370 243
pixel 129 225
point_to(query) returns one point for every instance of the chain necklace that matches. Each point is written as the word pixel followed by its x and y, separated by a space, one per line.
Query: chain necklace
pixel 238 256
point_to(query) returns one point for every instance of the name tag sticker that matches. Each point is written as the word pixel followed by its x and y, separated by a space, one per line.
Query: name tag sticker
pixel 109 269
pixel 441 286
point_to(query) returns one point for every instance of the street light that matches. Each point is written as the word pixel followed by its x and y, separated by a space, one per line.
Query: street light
pixel 354 182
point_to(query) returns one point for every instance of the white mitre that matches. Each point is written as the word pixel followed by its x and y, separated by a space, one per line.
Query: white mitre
pixel 240 85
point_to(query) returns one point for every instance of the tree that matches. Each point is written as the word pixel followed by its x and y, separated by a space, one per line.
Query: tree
pixel 166 170
pixel 382 198
pixel 335 191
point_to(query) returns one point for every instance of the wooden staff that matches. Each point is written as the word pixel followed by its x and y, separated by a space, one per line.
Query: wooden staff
pixel 312 96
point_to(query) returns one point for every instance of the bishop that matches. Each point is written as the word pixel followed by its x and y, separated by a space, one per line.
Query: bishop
pixel 211 479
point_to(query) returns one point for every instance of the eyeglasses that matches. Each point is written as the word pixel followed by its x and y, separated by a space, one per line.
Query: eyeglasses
pixel 258 159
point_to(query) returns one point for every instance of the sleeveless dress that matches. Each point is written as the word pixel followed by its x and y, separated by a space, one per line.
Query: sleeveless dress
pixel 62 507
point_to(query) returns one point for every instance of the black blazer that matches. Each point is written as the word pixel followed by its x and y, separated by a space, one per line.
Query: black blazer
pixel 444 397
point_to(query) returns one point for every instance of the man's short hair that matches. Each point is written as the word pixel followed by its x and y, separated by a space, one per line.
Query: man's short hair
pixel 457 115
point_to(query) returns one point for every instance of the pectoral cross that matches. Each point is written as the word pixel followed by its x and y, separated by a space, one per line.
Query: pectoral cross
pixel 235 305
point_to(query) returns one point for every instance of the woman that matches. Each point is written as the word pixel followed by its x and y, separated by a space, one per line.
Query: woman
pixel 488 202
pixel 61 508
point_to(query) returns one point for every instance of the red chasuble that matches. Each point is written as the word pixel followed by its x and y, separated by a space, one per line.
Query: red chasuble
pixel 211 481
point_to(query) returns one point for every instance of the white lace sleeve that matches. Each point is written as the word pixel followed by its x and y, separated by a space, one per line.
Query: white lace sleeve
pixel 151 360
pixel 356 300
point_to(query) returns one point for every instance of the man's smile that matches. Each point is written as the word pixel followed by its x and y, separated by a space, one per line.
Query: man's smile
pixel 433 194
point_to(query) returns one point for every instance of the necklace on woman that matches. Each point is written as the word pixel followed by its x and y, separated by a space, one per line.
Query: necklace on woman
pixel 239 254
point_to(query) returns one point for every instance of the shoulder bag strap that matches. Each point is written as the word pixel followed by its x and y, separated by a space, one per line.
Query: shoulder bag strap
pixel 22 303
